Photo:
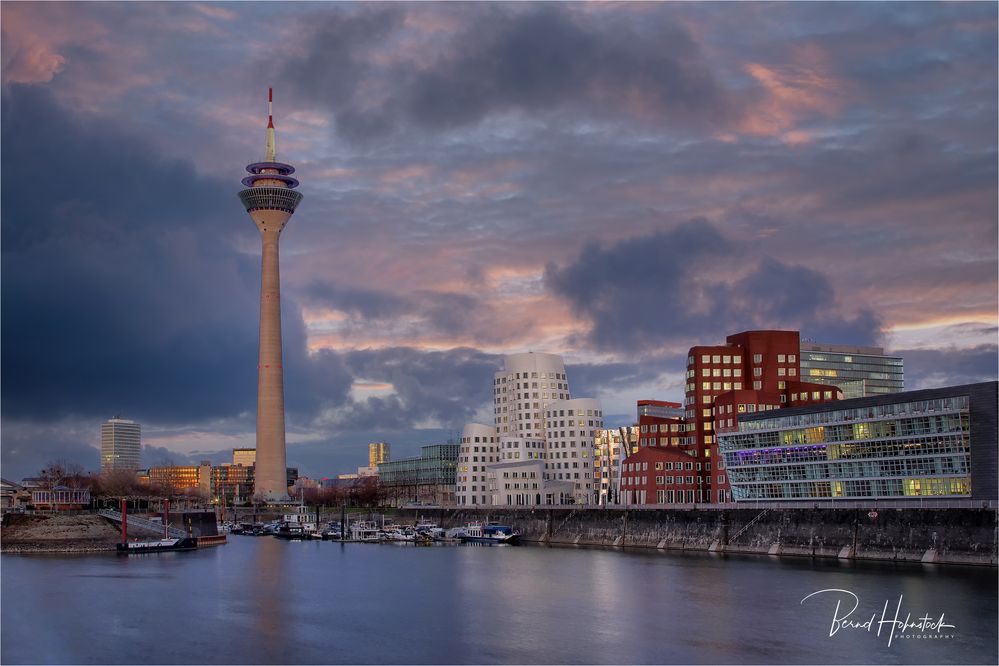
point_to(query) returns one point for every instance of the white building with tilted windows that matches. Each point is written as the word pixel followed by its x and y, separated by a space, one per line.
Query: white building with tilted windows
pixel 525 458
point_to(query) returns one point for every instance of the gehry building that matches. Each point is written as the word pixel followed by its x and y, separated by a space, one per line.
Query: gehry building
pixel 540 448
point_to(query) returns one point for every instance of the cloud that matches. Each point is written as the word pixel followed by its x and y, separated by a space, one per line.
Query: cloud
pixel 690 283
pixel 932 368
pixel 503 59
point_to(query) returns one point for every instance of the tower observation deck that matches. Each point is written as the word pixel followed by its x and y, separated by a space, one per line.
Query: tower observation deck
pixel 270 199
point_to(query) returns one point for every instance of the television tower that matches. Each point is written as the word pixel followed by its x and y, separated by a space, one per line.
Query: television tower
pixel 270 199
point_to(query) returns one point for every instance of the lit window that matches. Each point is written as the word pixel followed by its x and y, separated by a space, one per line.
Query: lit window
pixel 716 359
pixel 780 358
pixel 757 358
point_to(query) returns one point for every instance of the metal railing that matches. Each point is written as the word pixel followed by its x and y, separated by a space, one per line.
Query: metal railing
pixel 866 504
pixel 135 521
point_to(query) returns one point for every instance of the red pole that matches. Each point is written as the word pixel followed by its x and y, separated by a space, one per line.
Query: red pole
pixel 166 517
pixel 124 520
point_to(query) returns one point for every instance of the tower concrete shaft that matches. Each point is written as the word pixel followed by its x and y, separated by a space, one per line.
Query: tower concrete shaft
pixel 270 200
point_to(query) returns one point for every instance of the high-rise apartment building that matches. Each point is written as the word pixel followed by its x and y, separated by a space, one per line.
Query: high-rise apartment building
pixel 121 445
pixel 540 447
pixel 857 371
pixel 244 457
pixel 378 453
pixel 270 199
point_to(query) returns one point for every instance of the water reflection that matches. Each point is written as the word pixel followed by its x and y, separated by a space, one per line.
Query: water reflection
pixel 260 600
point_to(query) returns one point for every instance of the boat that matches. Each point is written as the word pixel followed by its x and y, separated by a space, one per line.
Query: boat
pixel 430 530
pixel 364 530
pixel 297 525
pixel 332 532
pixel 491 533
pixel 157 546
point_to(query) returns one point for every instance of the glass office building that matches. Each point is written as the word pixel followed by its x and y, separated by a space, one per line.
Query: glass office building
pixel 428 478
pixel 857 371
pixel 930 443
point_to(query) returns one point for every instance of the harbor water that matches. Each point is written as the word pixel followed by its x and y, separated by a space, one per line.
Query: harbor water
pixel 266 601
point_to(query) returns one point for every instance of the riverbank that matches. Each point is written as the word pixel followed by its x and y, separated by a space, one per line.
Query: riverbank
pixel 85 533
pixel 938 536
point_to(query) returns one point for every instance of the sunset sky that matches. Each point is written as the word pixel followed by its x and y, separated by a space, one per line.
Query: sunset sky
pixel 612 182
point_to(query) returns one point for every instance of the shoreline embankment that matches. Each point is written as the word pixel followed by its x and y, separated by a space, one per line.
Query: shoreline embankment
pixel 928 535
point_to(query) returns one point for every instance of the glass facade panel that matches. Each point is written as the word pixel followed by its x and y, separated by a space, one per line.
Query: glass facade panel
pixel 904 449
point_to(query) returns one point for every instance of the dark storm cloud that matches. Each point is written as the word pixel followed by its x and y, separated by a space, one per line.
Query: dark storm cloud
pixel 447 313
pixel 118 290
pixel 121 289
pixel 442 386
pixel 27 450
pixel 533 58
pixel 932 368
pixel 643 292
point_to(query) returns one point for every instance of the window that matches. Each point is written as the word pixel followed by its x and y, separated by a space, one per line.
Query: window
pixel 705 359
pixel 780 358
pixel 757 358
pixel 791 358
pixel 705 372
pixel 781 371
pixel 716 359
pixel 757 372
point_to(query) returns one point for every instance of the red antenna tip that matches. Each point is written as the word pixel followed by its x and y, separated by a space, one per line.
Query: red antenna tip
pixel 270 94
pixel 270 121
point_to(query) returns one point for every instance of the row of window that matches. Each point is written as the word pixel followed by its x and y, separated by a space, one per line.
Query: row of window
pixel 903 409
pixel 861 489
pixel 534 375
pixel 944 424
pixel 936 466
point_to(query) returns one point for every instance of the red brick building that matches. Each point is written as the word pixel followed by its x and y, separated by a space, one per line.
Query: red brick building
pixel 658 475
pixel 754 370
pixel 660 423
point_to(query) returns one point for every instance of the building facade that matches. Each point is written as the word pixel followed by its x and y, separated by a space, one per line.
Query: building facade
pixel 612 444
pixel 121 445
pixel 479 448
pixel 931 443
pixel 761 361
pixel 244 457
pixel 425 479
pixel 570 445
pixel 232 484
pixel 658 475
pixel 378 453
pixel 857 371
pixel 532 413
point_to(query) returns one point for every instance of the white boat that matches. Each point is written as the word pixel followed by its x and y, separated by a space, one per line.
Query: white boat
pixel 364 530
pixel 430 530
pixel 297 525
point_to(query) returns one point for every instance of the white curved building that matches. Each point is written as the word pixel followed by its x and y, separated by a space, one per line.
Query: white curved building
pixel 522 391
pixel 571 430
pixel 528 458
pixel 479 447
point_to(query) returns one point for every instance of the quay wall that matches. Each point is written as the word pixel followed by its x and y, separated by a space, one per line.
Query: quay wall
pixel 953 535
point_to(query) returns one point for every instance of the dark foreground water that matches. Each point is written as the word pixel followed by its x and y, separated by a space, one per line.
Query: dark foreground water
pixel 260 600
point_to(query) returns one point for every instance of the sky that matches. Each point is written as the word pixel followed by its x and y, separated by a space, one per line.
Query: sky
pixel 612 182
